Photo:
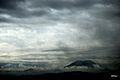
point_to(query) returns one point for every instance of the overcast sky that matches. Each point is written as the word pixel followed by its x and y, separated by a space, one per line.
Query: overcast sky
pixel 58 31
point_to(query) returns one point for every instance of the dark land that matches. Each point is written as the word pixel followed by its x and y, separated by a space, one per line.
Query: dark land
pixel 76 75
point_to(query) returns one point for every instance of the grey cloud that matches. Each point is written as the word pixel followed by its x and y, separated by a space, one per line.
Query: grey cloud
pixel 4 20
pixel 59 4
pixel 65 26
pixel 108 32
pixel 13 41
pixel 76 5
pixel 19 8
pixel 69 4
pixel 9 4
pixel 113 2
pixel 64 48
pixel 12 7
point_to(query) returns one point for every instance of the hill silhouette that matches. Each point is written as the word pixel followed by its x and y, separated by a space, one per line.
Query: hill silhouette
pixel 87 63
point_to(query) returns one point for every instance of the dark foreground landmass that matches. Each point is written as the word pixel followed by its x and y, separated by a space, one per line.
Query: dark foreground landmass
pixel 77 75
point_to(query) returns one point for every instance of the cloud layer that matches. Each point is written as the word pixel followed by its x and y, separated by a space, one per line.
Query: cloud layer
pixel 59 31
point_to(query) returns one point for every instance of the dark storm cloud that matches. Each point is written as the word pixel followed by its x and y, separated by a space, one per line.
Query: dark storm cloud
pixel 59 4
pixel 11 7
pixel 18 8
pixel 112 2
pixel 9 4
pixel 73 5
pixel 13 4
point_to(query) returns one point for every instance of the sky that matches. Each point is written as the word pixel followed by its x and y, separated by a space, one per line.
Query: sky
pixel 59 31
